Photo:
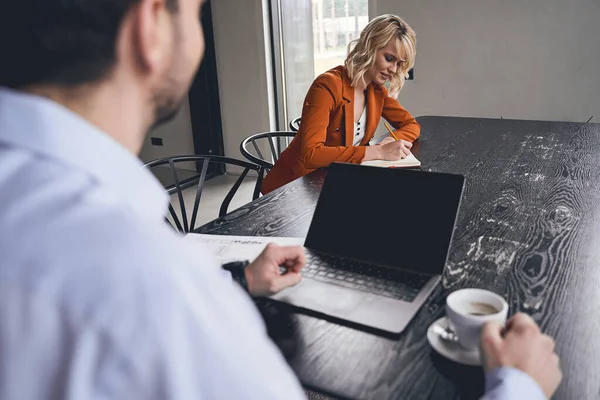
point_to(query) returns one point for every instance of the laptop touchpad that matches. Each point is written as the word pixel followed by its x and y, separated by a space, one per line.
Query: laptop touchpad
pixel 322 297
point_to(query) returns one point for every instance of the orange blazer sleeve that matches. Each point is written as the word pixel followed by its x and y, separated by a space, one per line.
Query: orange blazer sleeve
pixel 405 125
pixel 320 102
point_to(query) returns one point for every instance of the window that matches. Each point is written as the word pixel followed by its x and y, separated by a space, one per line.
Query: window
pixel 310 37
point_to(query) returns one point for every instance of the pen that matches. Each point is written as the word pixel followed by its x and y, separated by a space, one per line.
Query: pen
pixel 391 131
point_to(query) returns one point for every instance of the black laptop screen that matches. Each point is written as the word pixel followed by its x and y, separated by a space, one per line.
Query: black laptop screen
pixel 393 217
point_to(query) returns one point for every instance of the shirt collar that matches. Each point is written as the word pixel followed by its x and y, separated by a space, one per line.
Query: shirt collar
pixel 50 130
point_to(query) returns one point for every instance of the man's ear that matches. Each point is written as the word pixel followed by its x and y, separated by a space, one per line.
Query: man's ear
pixel 152 34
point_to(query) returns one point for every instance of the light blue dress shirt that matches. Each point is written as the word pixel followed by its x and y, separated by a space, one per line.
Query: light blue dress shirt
pixel 100 299
pixel 511 384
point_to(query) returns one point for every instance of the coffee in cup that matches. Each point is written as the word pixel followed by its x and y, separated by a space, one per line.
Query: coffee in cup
pixel 482 309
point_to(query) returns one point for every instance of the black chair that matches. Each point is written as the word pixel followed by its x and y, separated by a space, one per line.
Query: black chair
pixel 202 164
pixel 295 124
pixel 277 141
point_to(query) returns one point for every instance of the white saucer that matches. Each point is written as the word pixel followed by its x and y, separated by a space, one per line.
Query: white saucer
pixel 451 350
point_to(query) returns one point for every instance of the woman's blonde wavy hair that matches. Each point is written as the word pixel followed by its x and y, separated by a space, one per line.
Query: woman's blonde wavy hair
pixel 362 52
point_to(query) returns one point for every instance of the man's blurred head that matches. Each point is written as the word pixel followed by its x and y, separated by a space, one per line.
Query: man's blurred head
pixel 156 45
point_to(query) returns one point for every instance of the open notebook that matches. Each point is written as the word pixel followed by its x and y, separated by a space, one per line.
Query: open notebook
pixel 408 162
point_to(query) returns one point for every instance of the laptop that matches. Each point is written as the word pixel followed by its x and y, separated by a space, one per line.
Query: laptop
pixel 377 244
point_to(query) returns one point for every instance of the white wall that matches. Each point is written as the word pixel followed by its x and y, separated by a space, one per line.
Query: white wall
pixel 242 68
pixel 534 59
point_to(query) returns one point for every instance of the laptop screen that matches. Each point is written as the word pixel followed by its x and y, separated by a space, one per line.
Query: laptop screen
pixel 394 217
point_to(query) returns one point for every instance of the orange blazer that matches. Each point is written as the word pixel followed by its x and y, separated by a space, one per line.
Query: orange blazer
pixel 327 128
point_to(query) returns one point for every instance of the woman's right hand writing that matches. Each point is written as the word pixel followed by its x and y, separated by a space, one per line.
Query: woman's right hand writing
pixel 395 150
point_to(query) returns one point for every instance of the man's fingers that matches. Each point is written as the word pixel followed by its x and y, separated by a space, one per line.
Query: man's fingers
pixel 521 321
pixel 292 257
pixel 286 280
pixel 549 343
pixel 294 265
pixel 491 335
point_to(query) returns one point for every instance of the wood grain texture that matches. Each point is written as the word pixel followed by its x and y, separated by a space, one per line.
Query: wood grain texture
pixel 528 229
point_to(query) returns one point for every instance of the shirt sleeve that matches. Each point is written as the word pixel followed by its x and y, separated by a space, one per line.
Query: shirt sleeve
pixel 210 341
pixel 511 384
pixel 405 125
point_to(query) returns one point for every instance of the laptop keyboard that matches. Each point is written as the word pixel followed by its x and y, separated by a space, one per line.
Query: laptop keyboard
pixel 365 277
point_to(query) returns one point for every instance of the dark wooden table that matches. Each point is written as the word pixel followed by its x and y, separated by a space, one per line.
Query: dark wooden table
pixel 529 229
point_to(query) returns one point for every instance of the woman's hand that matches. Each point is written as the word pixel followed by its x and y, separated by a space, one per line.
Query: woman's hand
pixel 395 150
pixel 387 140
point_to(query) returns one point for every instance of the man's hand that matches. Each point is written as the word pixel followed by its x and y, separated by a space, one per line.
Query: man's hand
pixel 523 347
pixel 263 276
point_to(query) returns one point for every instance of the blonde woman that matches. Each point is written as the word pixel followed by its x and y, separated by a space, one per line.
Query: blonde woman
pixel 344 105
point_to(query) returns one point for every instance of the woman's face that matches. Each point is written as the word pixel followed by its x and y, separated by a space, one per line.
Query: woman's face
pixel 387 62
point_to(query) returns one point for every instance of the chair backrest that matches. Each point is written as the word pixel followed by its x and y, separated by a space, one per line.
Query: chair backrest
pixel 295 124
pixel 180 222
pixel 277 142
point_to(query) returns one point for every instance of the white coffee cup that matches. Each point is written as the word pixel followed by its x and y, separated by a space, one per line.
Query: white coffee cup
pixel 469 309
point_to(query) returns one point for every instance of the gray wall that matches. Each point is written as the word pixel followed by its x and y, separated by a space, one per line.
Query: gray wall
pixel 534 59
pixel 242 67
pixel 176 135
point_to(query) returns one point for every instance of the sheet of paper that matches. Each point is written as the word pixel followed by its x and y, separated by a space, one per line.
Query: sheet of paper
pixel 409 161
pixel 239 248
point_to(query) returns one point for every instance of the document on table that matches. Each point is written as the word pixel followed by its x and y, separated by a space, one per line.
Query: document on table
pixel 240 248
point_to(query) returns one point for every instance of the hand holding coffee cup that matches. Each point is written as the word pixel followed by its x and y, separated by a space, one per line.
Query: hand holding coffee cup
pixel 469 309
pixel 479 318
pixel 523 346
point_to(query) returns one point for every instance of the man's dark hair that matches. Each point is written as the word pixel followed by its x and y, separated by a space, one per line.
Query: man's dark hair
pixel 65 42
